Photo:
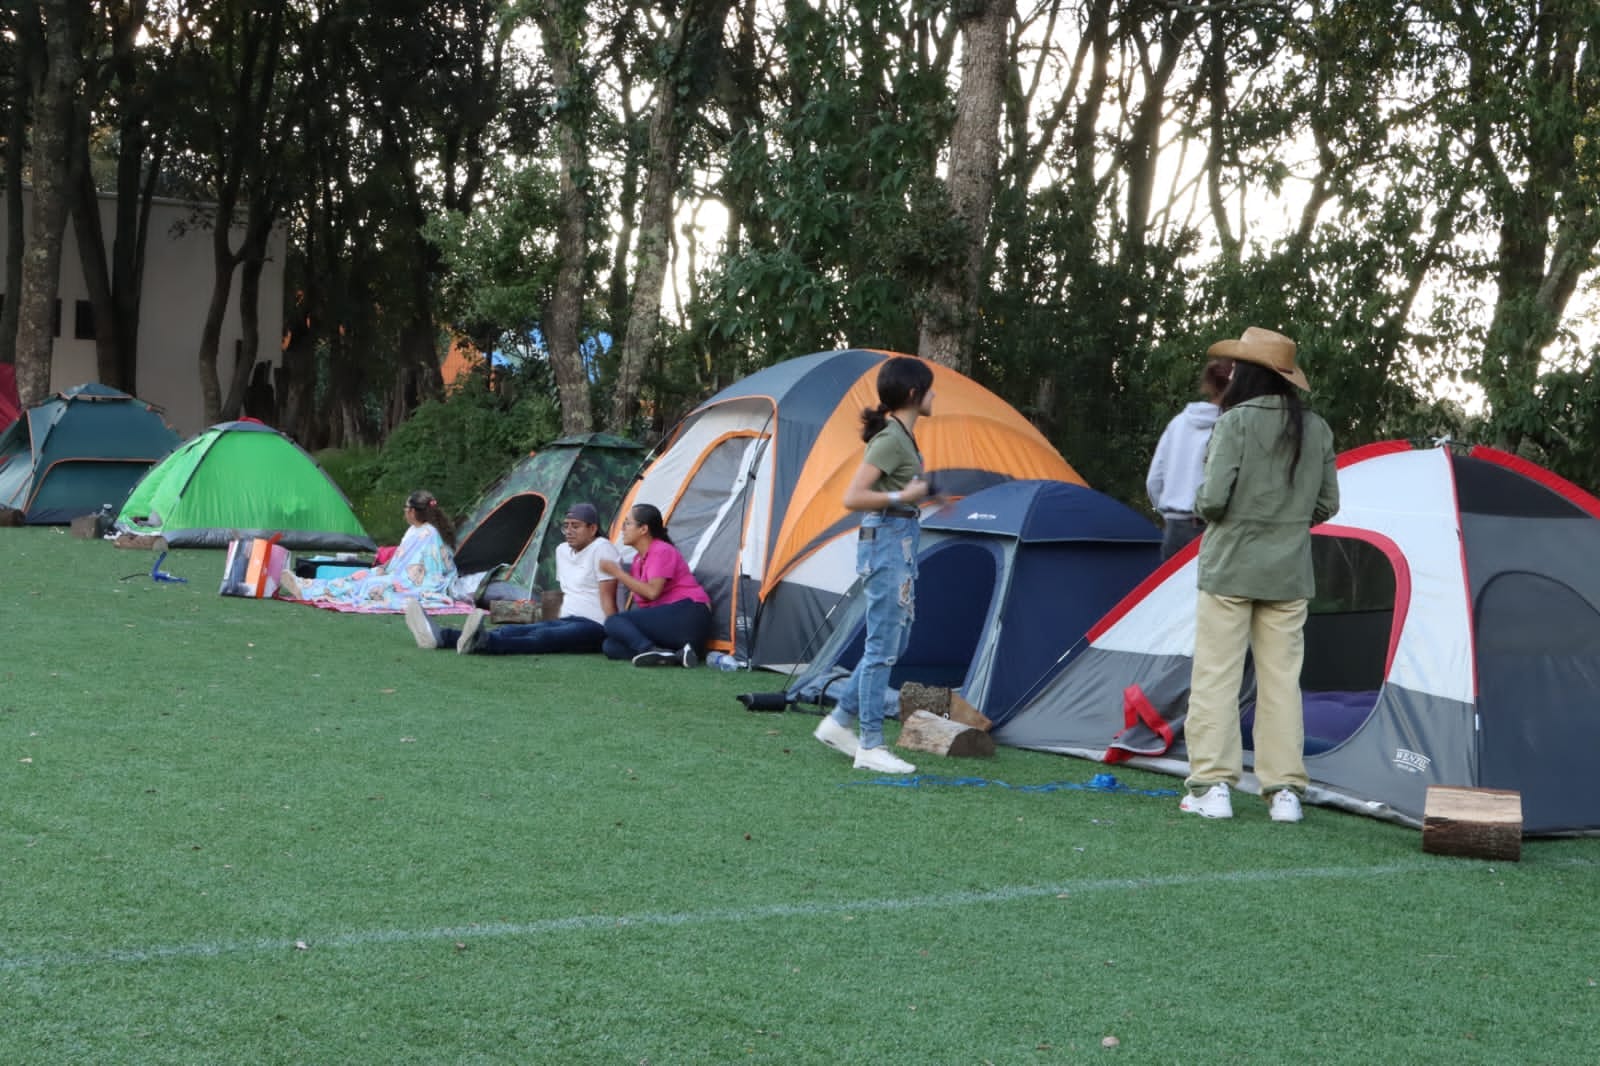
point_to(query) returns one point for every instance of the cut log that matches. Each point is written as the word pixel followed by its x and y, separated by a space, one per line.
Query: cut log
pixel 926 731
pixel 944 702
pixel 142 541
pixel 10 516
pixel 514 612
pixel 86 526
pixel 1475 823
pixel 915 696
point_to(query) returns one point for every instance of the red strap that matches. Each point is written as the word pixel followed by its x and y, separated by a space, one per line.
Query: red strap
pixel 1136 707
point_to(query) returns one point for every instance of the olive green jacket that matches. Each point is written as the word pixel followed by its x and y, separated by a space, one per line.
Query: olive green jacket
pixel 1257 542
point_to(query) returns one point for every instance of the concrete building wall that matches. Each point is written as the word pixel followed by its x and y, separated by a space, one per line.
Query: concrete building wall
pixel 178 277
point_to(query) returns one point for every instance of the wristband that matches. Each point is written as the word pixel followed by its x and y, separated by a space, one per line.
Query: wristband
pixel 894 497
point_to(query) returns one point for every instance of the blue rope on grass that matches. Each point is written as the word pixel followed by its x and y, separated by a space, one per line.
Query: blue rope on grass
pixel 1097 783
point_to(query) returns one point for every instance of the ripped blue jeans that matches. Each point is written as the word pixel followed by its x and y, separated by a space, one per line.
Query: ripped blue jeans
pixel 886 560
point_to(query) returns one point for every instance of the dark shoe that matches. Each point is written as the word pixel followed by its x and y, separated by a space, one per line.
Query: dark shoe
pixel 689 659
pixel 658 657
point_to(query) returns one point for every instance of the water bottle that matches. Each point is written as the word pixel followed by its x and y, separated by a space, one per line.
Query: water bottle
pixel 721 660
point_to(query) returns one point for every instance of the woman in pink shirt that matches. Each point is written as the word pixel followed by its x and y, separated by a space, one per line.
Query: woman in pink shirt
pixel 670 610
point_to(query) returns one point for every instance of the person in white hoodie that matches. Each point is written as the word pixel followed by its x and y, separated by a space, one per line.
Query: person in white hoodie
pixel 1180 460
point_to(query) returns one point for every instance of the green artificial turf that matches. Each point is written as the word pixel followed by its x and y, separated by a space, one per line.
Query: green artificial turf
pixel 245 832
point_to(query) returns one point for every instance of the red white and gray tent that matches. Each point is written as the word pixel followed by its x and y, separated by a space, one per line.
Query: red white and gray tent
pixel 1454 640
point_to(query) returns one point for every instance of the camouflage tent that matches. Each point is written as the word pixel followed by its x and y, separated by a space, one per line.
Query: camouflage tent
pixel 517 523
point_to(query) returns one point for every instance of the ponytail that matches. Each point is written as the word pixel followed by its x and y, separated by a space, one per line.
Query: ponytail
pixel 873 419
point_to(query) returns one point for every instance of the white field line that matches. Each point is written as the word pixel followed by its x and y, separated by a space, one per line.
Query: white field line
pixel 727 916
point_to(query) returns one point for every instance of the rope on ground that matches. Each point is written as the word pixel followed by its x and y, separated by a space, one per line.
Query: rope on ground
pixel 1097 783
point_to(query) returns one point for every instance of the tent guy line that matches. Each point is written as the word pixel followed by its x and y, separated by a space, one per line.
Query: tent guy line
pixel 600 923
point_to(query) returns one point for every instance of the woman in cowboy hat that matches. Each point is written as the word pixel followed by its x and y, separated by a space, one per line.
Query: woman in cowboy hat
pixel 1269 477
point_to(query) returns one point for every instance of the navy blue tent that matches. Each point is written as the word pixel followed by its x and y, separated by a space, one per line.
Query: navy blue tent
pixel 1009 580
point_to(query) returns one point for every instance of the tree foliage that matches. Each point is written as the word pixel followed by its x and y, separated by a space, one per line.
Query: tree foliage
pixel 1407 188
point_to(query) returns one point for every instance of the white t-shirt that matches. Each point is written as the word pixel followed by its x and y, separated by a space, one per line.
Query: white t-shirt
pixel 580 577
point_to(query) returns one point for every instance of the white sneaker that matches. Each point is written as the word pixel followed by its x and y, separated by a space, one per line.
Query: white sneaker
pixel 882 760
pixel 837 737
pixel 473 633
pixel 1285 806
pixel 421 626
pixel 1214 802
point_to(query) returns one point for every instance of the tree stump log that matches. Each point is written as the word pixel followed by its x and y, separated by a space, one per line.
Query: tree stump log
pixel 10 516
pixel 1475 823
pixel 85 526
pixel 944 702
pixel 926 731
pixel 142 541
pixel 515 612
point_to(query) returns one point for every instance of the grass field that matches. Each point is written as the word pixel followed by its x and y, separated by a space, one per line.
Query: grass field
pixel 244 832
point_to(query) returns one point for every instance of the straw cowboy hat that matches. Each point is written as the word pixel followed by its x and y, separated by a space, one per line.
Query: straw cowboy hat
pixel 1264 348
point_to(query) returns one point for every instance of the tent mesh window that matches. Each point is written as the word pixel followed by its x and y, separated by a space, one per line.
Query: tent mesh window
pixel 1349 624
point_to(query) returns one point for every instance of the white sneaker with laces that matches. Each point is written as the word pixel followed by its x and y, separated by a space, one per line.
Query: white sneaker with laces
pixel 1214 802
pixel 1285 806
pixel 421 626
pixel 882 760
pixel 837 737
pixel 473 633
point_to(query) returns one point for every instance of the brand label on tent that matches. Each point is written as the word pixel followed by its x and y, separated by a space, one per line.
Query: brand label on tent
pixel 1410 761
pixel 981 516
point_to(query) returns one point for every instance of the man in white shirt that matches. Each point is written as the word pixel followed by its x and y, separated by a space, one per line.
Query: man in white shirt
pixel 1180 459
pixel 588 597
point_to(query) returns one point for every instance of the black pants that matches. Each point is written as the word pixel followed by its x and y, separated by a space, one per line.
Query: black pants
pixel 670 626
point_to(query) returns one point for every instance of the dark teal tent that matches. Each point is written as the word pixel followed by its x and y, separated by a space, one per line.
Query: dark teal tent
pixel 78 451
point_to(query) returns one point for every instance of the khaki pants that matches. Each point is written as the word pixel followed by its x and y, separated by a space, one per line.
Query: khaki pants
pixel 1225 626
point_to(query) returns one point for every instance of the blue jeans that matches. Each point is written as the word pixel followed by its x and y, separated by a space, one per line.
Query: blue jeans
pixel 570 635
pixel 670 626
pixel 886 559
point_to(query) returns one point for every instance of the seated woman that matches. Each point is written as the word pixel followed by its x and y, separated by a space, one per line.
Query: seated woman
pixel 671 610
pixel 422 567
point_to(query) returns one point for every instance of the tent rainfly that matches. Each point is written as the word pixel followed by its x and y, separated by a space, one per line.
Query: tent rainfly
pixel 751 483
pixel 243 479
pixel 78 451
pixel 1454 640
pixel 1008 580
pixel 517 523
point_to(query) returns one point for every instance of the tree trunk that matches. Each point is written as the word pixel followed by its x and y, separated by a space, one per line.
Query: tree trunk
pixel 655 221
pixel 41 261
pixel 224 261
pixel 565 312
pixel 96 277
pixel 949 327
pixel 16 140
pixel 255 260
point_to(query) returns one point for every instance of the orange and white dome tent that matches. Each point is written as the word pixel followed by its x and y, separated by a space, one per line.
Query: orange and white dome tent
pixel 751 484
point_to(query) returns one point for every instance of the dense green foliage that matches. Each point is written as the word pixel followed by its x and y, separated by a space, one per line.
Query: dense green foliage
pixel 1411 190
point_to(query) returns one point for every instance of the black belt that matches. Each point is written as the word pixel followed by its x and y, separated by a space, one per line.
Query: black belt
pixel 898 512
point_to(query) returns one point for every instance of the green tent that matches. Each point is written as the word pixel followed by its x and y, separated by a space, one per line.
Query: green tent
pixel 517 523
pixel 243 479
pixel 79 450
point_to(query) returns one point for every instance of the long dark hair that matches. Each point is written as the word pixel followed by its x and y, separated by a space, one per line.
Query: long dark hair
pixel 1252 380
pixel 902 381
pixel 427 507
pixel 648 515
